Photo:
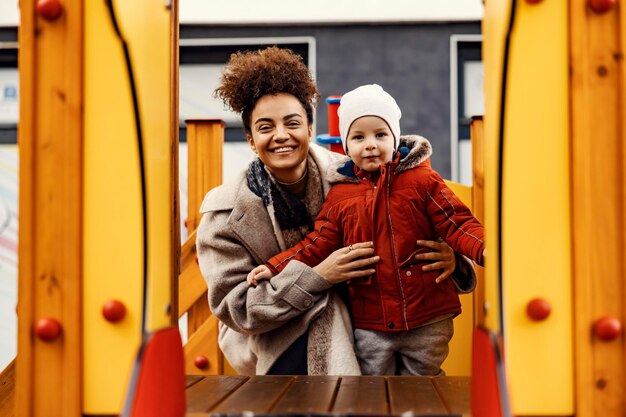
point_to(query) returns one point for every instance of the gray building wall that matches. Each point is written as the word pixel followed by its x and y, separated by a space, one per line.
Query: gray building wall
pixel 411 61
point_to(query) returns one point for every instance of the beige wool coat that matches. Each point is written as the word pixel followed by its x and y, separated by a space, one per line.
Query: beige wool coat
pixel 257 324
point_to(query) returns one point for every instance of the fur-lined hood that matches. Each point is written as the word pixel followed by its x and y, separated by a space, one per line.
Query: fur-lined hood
pixel 413 149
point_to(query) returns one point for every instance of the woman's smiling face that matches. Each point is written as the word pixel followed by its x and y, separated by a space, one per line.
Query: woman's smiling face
pixel 280 135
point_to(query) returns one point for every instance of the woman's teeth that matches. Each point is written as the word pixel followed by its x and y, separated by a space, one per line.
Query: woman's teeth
pixel 284 149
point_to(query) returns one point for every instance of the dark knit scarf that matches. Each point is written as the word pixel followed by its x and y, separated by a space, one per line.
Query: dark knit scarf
pixel 294 216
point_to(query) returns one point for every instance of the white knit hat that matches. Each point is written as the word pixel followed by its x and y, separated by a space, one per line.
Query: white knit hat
pixel 368 100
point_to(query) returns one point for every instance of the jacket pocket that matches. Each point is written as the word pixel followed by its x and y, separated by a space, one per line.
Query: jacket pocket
pixel 424 297
pixel 365 301
pixel 410 260
pixel 414 289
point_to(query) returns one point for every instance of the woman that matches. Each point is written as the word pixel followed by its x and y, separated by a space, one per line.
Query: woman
pixel 296 324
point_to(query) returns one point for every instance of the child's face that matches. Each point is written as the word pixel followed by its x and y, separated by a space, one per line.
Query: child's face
pixel 370 143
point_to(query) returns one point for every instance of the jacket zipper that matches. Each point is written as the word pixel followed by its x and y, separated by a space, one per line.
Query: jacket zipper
pixel 393 250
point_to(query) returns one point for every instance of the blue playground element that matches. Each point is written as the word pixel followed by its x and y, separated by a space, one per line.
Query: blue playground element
pixel 326 139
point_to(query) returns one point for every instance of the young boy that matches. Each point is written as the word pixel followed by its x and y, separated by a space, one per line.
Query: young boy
pixel 388 193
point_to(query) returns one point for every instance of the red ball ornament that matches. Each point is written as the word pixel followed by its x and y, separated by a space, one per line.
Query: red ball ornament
pixel 601 6
pixel 201 362
pixel 607 328
pixel 114 311
pixel 50 10
pixel 538 309
pixel 47 329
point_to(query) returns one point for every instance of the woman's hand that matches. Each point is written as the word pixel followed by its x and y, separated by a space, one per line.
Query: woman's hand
pixel 345 263
pixel 442 257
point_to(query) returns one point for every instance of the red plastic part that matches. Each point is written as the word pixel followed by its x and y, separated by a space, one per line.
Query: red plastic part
pixel 114 311
pixel 333 118
pixel 538 309
pixel 601 6
pixel 47 329
pixel 337 147
pixel 607 328
pixel 489 396
pixel 50 10
pixel 159 376
pixel 201 362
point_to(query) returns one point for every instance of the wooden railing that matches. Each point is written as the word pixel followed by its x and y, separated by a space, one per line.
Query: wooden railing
pixel 205 142
pixel 478 207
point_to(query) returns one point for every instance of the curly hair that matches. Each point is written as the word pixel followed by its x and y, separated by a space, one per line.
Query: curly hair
pixel 254 74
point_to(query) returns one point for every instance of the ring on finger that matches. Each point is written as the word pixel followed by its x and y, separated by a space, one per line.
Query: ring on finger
pixel 350 248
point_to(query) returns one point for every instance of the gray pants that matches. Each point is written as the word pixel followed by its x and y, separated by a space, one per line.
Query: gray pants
pixel 422 350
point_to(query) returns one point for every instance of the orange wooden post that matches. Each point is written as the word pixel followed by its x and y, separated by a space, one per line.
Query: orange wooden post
pixel 598 204
pixel 478 207
pixel 49 378
pixel 174 186
pixel 205 141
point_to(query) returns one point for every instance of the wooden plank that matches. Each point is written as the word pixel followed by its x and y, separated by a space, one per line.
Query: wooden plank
pixel 191 285
pixel 192 379
pixel 7 391
pixel 27 125
pixel 311 394
pixel 478 207
pixel 258 395
pixel 414 394
pixel 362 395
pixel 174 162
pixel 454 392
pixel 205 141
pixel 49 381
pixel 205 394
pixel 198 313
pixel 597 147
pixel 204 343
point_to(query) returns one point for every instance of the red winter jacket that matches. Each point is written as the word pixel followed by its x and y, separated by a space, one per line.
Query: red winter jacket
pixel 409 201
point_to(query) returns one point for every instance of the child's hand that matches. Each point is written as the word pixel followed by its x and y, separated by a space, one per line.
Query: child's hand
pixel 259 273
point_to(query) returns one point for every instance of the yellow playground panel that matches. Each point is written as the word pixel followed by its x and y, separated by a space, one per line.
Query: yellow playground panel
pixel 534 198
pixel 111 200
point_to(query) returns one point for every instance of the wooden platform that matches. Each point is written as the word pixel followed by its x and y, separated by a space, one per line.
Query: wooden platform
pixel 327 395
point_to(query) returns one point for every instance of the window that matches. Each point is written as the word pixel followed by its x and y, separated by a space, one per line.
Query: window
pixel 466 100
pixel 9 92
